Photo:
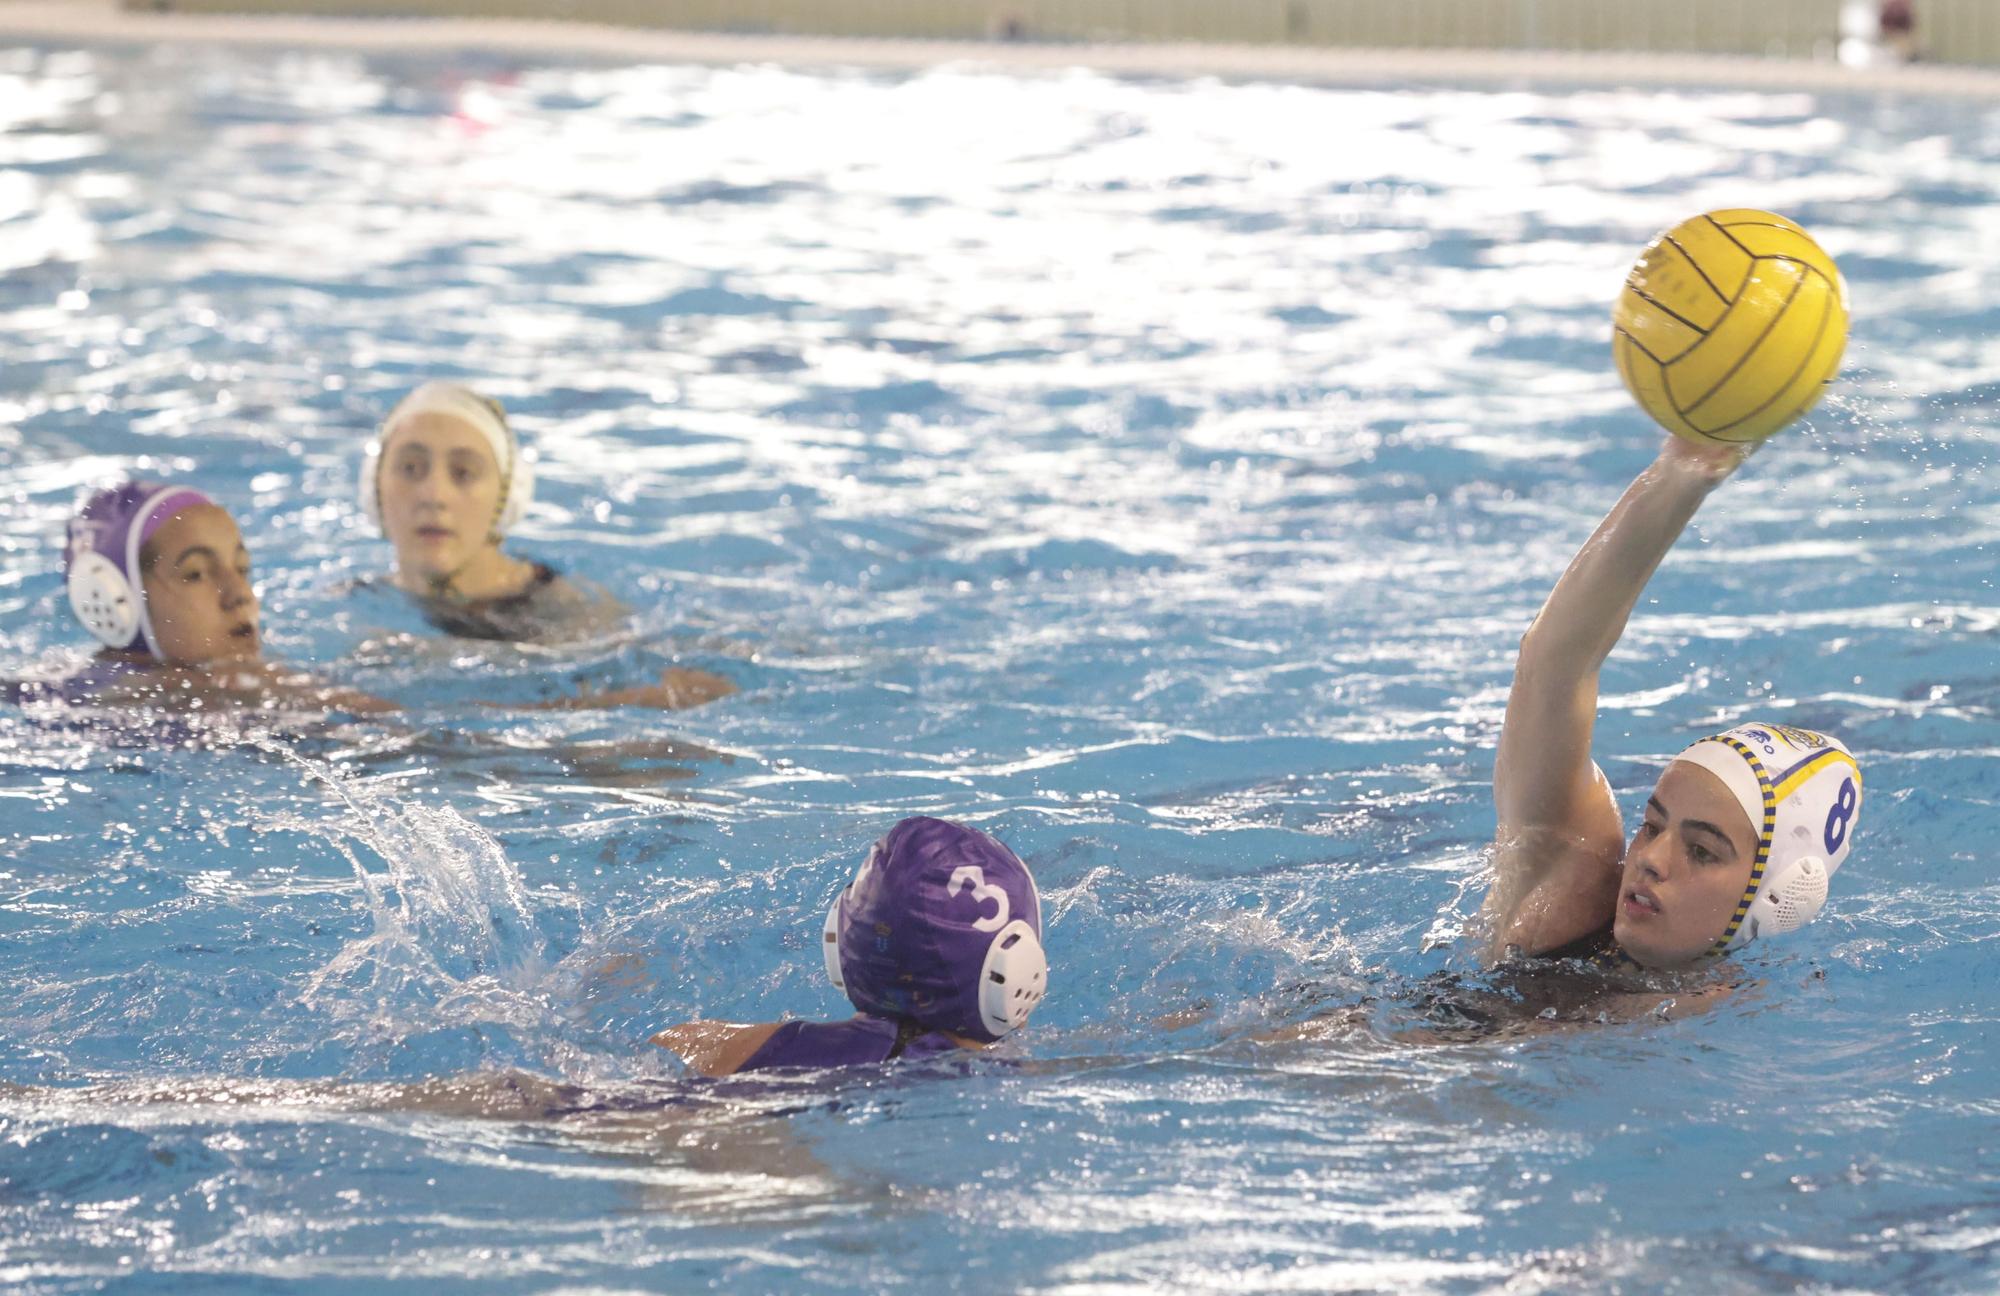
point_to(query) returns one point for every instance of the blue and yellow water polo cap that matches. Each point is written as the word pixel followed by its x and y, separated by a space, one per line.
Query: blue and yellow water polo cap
pixel 1802 792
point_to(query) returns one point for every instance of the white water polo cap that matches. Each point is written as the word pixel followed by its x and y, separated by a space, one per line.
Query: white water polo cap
pixel 1802 793
pixel 455 400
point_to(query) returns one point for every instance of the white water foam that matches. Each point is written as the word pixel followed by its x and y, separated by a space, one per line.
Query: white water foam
pixel 454 938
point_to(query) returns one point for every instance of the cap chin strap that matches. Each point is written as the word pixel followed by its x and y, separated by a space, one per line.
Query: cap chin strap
pixel 1013 979
pixel 1788 900
pixel 1767 799
pixel 368 487
pixel 520 488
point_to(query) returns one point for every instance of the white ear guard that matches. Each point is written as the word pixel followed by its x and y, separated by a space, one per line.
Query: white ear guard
pixel 104 595
pixel 1014 979
pixel 103 600
pixel 830 944
pixel 1786 902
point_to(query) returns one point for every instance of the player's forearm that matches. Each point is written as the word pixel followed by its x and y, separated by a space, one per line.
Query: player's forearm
pixel 1587 611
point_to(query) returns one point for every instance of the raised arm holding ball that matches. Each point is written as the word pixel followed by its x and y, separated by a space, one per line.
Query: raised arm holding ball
pixel 1730 326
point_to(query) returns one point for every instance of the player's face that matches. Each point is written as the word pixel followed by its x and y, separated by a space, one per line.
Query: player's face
pixel 198 590
pixel 1685 870
pixel 440 492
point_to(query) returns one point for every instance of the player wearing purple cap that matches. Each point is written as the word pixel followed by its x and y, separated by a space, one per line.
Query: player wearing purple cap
pixel 160 570
pixel 937 941
pixel 158 573
pixel 160 576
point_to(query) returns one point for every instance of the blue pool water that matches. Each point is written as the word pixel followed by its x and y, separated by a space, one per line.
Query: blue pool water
pixel 1157 474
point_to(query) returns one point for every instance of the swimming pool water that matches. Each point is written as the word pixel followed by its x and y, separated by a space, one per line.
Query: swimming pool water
pixel 1156 473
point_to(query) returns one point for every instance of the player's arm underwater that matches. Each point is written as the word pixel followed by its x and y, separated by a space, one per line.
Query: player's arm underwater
pixel 235 686
pixel 715 1048
pixel 678 688
pixel 1559 837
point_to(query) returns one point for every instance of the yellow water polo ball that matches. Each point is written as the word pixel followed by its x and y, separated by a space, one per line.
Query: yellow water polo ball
pixel 1730 326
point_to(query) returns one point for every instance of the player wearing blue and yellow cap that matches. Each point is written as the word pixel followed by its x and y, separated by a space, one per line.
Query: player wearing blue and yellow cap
pixel 1743 829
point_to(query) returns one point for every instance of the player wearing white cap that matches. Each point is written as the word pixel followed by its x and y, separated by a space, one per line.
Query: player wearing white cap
pixel 1738 837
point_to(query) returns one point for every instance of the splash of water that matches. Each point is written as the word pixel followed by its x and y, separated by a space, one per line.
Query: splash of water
pixel 453 939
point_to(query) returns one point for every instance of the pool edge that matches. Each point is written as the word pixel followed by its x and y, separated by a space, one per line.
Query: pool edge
pixel 102 22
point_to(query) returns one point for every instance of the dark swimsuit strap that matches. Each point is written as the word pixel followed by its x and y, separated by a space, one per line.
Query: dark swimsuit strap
pixel 906 1030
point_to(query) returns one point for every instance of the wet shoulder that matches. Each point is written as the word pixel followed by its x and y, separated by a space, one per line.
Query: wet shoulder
pixel 103 682
pixel 858 1041
pixel 119 702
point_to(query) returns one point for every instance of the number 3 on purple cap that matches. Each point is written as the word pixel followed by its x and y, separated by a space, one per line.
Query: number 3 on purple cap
pixel 974 876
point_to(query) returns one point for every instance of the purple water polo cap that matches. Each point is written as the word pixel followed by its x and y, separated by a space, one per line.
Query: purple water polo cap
pixel 942 925
pixel 101 559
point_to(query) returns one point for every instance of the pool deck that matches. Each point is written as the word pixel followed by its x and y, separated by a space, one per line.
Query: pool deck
pixel 84 22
